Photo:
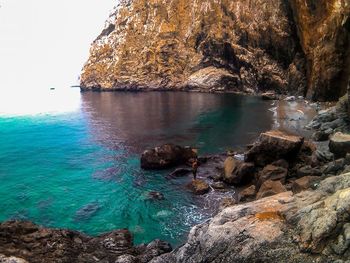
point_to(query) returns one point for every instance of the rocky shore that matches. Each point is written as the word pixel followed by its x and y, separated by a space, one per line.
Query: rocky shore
pixel 286 199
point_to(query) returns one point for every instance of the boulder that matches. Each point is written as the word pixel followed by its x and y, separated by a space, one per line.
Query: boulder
pixel 274 173
pixel 166 156
pixel 247 193
pixel 269 188
pixel 237 172
pixel 304 183
pixel 339 144
pixel 307 170
pixel 198 187
pixel 274 145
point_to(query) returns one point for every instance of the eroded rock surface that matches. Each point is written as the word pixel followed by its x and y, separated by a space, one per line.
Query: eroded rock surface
pixel 223 45
pixel 311 226
pixel 42 245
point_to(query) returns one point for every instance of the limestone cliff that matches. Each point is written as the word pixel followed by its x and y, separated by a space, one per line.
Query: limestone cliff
pixel 246 45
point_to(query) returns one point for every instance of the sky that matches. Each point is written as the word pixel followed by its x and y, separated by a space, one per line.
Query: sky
pixel 44 43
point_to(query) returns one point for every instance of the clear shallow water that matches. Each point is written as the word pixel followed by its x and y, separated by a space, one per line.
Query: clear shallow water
pixel 79 168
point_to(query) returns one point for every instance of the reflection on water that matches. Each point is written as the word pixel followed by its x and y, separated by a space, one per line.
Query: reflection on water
pixel 211 122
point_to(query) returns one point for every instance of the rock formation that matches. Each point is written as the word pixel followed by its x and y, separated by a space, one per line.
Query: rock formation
pixel 42 245
pixel 311 226
pixel 245 46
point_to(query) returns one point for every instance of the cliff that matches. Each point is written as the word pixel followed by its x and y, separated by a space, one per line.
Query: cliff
pixel 247 46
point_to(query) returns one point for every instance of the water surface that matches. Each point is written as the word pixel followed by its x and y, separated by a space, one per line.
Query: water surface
pixel 79 168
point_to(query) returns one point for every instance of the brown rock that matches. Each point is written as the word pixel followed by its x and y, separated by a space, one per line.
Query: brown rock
pixel 274 145
pixel 323 27
pixel 274 173
pixel 237 172
pixel 165 156
pixel 247 193
pixel 198 187
pixel 197 44
pixel 304 183
pixel 269 188
pixel 339 144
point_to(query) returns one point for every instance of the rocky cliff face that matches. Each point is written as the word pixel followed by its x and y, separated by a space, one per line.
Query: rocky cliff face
pixel 323 28
pixel 246 45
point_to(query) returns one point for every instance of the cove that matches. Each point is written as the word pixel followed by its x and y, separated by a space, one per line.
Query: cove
pixel 79 169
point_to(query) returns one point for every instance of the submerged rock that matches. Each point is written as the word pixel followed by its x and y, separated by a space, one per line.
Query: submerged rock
pixel 166 156
pixel 274 145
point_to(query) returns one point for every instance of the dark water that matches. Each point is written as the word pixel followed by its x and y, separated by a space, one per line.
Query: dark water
pixel 79 168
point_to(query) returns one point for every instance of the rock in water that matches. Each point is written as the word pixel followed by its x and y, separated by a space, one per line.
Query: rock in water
pixel 274 145
pixel 198 187
pixel 166 156
pixel 339 144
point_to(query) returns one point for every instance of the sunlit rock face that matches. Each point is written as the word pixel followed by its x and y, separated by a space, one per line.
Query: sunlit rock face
pixel 220 45
pixel 223 44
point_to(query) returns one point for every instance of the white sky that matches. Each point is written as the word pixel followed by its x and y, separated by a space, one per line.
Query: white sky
pixel 44 43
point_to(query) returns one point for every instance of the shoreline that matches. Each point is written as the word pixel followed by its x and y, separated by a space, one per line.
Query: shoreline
pixel 73 233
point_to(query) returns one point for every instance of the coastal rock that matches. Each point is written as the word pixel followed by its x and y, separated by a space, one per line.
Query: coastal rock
pixel 339 144
pixel 269 188
pixel 41 245
pixel 198 187
pixel 304 183
pixel 308 227
pixel 224 46
pixel 274 173
pixel 165 156
pixel 197 45
pixel 323 28
pixel 247 193
pixel 274 145
pixel 308 171
pixel 237 172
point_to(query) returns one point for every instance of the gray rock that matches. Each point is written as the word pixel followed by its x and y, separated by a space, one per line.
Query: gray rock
pixel 309 227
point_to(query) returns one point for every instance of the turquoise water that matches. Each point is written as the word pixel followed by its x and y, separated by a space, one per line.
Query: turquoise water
pixel 79 169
